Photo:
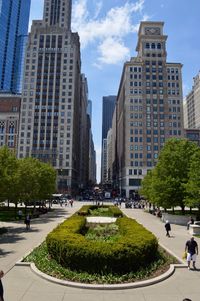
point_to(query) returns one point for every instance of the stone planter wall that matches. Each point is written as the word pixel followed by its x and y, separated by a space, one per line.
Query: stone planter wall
pixel 175 219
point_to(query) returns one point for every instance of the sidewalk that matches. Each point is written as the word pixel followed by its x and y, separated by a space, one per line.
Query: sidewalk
pixel 18 241
pixel 23 285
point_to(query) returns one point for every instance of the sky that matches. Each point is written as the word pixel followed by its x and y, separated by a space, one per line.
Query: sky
pixel 108 34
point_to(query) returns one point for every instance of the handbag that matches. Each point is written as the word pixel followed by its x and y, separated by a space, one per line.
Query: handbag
pixel 184 256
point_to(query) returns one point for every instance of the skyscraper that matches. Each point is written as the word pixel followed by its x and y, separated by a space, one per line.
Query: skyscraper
pixel 149 107
pixel 192 105
pixel 107 114
pixel 14 18
pixel 51 114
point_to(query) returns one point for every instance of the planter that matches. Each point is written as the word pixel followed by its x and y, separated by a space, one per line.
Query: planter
pixel 175 219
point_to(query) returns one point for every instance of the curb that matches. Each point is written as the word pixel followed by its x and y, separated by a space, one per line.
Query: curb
pixel 131 285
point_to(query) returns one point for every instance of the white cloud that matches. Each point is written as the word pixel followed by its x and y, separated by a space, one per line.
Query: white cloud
pixel 112 51
pixel 110 30
pixel 98 8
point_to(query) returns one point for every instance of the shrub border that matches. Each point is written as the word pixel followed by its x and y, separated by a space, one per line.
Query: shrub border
pixel 66 244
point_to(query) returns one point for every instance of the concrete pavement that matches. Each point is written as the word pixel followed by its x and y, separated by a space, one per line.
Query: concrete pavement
pixel 21 284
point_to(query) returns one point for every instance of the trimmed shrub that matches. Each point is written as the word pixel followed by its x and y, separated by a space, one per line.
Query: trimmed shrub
pixel 135 248
pixel 112 210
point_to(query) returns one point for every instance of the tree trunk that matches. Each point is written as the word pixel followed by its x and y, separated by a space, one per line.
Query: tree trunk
pixel 183 209
pixel 16 210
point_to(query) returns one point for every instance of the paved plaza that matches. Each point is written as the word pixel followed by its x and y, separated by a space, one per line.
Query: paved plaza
pixel 21 284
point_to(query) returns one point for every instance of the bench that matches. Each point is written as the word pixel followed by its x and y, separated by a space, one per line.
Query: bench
pixel 195 228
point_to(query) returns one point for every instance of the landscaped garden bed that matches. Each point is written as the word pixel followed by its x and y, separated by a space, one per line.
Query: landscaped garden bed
pixel 113 253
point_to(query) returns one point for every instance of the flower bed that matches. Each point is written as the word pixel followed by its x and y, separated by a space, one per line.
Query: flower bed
pixel 136 247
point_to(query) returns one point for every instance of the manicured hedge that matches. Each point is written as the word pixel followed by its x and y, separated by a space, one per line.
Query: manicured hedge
pixel 113 210
pixel 135 248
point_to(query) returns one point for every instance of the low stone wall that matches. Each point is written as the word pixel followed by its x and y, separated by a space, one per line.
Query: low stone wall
pixel 194 229
pixel 175 219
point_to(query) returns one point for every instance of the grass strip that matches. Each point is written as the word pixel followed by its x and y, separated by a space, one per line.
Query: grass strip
pixel 44 263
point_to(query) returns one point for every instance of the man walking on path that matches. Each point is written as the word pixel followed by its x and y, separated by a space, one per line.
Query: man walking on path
pixel 1 286
pixel 168 228
pixel 191 247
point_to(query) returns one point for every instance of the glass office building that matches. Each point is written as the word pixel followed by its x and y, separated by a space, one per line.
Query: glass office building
pixel 14 19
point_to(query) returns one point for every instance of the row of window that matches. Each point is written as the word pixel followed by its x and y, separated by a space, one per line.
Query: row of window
pixel 153 45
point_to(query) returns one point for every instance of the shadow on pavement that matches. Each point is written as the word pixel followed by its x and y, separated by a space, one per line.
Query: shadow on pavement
pixel 14 234
pixel 5 253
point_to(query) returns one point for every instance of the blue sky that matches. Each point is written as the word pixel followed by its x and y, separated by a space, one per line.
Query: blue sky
pixel 108 33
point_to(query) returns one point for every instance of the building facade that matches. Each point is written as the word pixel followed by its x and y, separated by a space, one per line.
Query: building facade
pixel 149 107
pixel 9 120
pixel 14 19
pixel 192 105
pixel 51 98
pixel 85 126
pixel 107 114
pixel 193 135
pixel 109 156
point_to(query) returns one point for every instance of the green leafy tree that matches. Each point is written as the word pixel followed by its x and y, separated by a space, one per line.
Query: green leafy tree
pixel 29 175
pixel 47 181
pixel 193 185
pixel 167 186
pixel 9 176
pixel 37 180
pixel 146 186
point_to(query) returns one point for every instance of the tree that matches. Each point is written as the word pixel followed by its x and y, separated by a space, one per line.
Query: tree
pixel 37 180
pixel 146 186
pixel 193 185
pixel 171 173
pixel 9 177
pixel 29 175
pixel 47 181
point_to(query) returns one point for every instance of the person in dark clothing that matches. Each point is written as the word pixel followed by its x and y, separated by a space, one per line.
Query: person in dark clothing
pixel 27 221
pixel 191 247
pixel 167 228
pixel 1 286
pixel 190 222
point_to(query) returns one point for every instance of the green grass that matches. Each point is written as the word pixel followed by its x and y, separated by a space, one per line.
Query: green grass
pixel 50 267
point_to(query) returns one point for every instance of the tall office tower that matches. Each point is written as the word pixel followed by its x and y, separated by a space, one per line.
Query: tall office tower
pixel 192 106
pixel 107 114
pixel 51 100
pixel 14 19
pixel 92 152
pixel 85 126
pixel 149 107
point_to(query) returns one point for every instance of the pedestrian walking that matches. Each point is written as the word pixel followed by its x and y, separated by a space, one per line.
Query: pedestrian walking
pixel 27 221
pixel 191 247
pixel 190 222
pixel 1 286
pixel 20 214
pixel 167 228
